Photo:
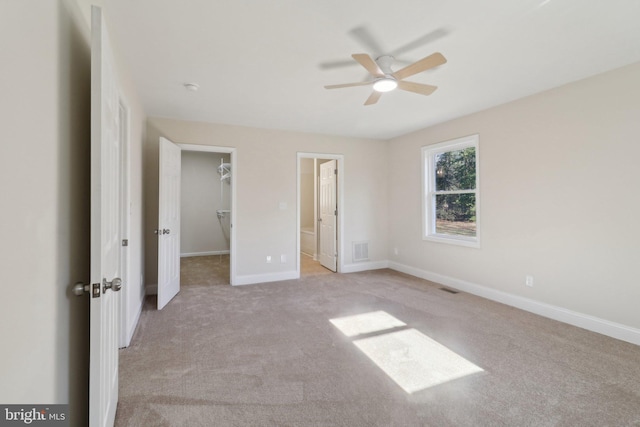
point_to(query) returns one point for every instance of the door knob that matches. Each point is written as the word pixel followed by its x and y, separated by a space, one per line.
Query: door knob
pixel 115 285
pixel 80 288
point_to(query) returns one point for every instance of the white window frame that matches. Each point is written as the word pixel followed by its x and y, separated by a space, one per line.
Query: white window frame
pixel 429 153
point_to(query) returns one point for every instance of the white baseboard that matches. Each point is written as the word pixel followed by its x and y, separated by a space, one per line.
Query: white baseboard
pixel 189 254
pixel 151 289
pixel 290 275
pixel 585 321
pixel 264 278
pixel 364 266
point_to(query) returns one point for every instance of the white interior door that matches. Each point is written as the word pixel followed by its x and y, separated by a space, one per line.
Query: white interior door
pixel 328 214
pixel 168 222
pixel 105 228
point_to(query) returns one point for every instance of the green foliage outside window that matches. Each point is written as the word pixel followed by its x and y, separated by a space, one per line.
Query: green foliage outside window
pixel 456 171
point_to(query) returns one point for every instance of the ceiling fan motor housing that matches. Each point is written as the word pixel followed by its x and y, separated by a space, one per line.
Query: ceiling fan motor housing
pixel 384 62
pixel 388 82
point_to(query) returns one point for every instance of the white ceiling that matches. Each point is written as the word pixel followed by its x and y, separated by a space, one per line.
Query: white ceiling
pixel 264 63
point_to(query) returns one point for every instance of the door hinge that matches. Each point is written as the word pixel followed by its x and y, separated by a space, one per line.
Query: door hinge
pixel 335 212
pixel 335 171
pixel 125 242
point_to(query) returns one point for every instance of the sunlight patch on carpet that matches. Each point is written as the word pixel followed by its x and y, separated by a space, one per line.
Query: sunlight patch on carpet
pixel 409 357
pixel 366 323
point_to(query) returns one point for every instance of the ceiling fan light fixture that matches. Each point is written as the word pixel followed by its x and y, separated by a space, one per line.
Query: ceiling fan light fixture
pixel 385 84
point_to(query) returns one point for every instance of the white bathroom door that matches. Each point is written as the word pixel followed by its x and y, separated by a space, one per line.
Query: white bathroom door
pixel 105 229
pixel 328 214
pixel 168 222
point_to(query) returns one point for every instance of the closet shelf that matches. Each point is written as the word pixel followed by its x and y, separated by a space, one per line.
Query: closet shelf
pixel 225 171
pixel 222 212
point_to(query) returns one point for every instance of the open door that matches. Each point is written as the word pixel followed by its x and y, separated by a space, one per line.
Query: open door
pixel 168 222
pixel 105 229
pixel 328 214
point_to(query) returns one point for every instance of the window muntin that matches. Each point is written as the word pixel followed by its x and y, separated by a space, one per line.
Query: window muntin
pixel 451 195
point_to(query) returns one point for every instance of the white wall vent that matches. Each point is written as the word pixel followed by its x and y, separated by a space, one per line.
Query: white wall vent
pixel 360 251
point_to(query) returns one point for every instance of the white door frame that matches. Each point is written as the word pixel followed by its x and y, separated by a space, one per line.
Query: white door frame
pixel 234 180
pixel 339 221
pixel 126 332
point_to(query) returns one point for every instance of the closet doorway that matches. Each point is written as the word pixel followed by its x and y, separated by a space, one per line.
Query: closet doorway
pixel 207 215
pixel 320 213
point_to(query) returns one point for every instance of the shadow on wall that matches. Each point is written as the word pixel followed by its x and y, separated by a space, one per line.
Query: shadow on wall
pixel 150 158
pixel 73 245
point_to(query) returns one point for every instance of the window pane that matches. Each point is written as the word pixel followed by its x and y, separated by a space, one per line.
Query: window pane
pixel 456 214
pixel 456 170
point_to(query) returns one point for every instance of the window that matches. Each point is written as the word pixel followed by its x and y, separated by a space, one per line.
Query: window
pixel 451 191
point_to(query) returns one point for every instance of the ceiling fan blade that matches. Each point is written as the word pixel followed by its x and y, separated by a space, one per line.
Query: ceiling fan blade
pixel 422 65
pixel 363 35
pixel 368 63
pixel 328 65
pixel 373 98
pixel 420 88
pixel 347 85
pixel 426 39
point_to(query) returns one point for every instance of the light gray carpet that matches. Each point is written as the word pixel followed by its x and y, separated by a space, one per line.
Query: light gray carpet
pixel 267 355
pixel 204 270
pixel 309 267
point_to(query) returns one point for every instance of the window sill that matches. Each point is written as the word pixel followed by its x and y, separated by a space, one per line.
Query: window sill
pixel 453 240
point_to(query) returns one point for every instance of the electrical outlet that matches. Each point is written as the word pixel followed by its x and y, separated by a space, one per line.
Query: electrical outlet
pixel 268 259
pixel 283 259
pixel 528 281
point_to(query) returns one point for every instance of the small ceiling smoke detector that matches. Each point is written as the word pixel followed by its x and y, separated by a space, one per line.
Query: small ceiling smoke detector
pixel 193 87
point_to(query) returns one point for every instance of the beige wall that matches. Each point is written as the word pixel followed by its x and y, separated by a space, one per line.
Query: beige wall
pixel 201 230
pixel 307 193
pixel 44 223
pixel 559 198
pixel 266 176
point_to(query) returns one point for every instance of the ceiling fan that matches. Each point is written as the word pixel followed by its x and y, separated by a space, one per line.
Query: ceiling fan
pixel 385 79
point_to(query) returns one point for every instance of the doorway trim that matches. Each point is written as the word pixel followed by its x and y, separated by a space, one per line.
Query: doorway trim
pixel 127 323
pixel 340 200
pixel 234 177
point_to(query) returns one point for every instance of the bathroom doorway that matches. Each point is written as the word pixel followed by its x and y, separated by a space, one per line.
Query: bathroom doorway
pixel 319 213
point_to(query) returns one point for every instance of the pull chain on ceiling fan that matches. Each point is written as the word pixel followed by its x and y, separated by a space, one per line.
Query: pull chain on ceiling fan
pixel 385 80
